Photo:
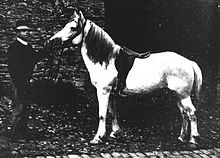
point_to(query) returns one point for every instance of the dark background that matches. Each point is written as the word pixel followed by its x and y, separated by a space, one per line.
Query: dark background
pixel 190 28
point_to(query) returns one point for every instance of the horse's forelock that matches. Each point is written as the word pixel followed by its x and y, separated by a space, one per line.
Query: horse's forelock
pixel 99 45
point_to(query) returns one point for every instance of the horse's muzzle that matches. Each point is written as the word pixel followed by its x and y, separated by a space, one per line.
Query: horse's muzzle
pixel 55 43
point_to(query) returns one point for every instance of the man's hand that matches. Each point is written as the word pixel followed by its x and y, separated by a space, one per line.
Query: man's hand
pixel 53 44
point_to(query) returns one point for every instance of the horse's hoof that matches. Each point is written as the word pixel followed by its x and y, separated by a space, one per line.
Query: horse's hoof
pixel 95 141
pixel 113 135
pixel 191 146
pixel 116 134
pixel 181 140
pixel 195 140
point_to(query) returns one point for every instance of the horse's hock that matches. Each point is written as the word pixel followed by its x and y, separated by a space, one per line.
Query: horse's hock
pixel 190 28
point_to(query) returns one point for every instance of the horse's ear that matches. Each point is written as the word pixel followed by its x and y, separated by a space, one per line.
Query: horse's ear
pixel 75 13
pixel 82 17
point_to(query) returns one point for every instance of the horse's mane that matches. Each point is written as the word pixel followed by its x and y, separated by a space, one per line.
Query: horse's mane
pixel 99 45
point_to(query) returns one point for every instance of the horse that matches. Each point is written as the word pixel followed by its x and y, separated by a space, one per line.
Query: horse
pixel 161 70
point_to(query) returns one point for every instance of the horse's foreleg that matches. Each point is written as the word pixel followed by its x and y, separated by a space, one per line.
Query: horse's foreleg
pixel 103 100
pixel 190 111
pixel 113 112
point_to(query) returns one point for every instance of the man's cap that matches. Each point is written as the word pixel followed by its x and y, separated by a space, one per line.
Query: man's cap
pixel 22 25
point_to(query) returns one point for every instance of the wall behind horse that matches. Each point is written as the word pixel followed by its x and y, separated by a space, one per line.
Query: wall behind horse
pixel 188 27
pixel 45 23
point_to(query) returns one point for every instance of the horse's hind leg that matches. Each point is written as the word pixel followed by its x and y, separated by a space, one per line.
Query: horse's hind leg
pixel 189 110
pixel 184 127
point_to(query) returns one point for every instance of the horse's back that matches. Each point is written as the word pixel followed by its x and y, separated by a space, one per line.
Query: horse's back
pixel 167 56
pixel 157 70
pixel 162 61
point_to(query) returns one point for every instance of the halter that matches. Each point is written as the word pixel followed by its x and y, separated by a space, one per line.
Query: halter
pixel 79 29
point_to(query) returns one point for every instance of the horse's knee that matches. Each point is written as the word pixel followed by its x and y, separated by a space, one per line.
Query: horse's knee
pixel 191 114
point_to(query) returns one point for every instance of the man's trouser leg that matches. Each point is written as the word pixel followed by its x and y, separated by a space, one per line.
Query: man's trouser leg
pixel 126 65
pixel 19 111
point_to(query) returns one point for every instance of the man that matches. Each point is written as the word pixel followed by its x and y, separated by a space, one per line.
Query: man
pixel 21 60
pixel 124 63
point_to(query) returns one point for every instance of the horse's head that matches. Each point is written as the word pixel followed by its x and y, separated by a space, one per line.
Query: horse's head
pixel 73 30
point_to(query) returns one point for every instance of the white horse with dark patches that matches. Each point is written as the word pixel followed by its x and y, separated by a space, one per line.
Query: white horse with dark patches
pixel 161 70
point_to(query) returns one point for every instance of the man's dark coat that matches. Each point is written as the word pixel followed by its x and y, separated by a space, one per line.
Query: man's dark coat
pixel 21 61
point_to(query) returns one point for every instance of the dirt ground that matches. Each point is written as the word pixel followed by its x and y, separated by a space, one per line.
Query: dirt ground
pixel 65 125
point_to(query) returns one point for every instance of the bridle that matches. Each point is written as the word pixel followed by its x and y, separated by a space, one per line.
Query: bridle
pixel 79 29
pixel 59 44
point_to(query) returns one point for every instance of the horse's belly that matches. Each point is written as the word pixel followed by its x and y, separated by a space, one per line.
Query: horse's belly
pixel 144 80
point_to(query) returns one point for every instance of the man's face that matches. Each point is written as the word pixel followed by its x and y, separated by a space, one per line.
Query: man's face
pixel 24 34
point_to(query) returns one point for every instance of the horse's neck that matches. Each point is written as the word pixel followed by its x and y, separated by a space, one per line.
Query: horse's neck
pixel 89 64
pixel 84 50
pixel 100 74
pixel 87 28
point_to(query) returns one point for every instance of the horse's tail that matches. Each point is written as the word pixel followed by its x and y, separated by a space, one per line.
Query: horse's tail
pixel 197 79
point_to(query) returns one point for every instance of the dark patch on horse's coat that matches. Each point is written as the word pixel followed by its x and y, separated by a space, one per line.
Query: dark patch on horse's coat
pixel 107 89
pixel 99 47
pixel 101 118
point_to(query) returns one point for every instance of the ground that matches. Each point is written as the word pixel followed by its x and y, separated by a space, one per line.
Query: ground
pixel 67 124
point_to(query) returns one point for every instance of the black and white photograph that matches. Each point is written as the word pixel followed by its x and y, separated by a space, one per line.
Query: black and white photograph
pixel 109 79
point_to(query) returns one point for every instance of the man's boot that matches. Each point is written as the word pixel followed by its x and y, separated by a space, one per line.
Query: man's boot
pixel 122 89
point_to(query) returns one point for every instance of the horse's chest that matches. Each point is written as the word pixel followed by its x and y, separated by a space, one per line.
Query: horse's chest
pixel 102 75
